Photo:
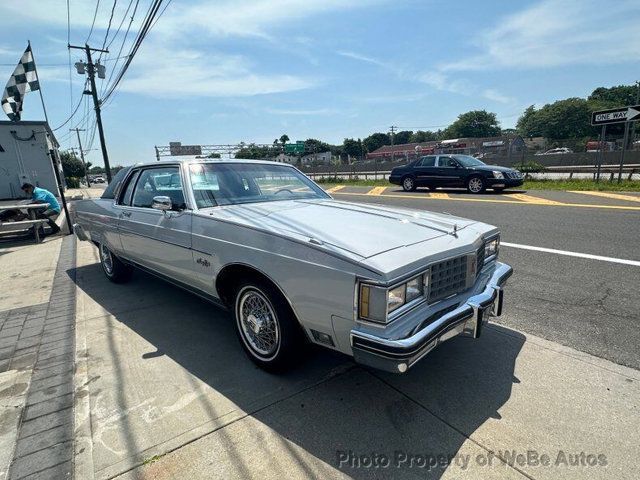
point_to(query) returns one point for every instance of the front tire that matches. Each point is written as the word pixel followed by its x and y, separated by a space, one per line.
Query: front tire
pixel 476 184
pixel 266 326
pixel 408 184
pixel 114 269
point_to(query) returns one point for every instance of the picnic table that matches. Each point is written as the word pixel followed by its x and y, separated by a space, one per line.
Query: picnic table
pixel 31 209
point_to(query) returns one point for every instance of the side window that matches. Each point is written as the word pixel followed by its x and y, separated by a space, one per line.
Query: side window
pixel 447 162
pixel 429 161
pixel 164 181
pixel 125 199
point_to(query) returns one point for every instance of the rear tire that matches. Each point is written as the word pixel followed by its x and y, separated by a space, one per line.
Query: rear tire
pixel 114 269
pixel 476 184
pixel 408 184
pixel 266 326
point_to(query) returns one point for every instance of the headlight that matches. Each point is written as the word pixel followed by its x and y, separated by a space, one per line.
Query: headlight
pixel 497 174
pixel 376 303
pixel 491 247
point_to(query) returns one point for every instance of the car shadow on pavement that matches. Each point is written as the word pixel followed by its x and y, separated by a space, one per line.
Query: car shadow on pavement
pixel 326 408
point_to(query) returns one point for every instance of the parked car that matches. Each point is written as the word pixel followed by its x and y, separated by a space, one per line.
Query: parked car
pixel 293 265
pixel 556 151
pixel 435 171
pixel 98 180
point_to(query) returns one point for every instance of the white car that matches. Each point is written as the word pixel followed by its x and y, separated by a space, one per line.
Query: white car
pixel 556 151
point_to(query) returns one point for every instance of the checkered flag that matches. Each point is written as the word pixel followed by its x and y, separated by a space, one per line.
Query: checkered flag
pixel 23 80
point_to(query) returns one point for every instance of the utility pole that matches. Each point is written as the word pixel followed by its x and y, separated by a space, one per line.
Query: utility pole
pixel 393 129
pixel 86 172
pixel 91 69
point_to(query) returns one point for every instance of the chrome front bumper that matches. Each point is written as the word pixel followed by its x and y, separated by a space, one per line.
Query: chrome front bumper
pixel 466 319
pixel 79 231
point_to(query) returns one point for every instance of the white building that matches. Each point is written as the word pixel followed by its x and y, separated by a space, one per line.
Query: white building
pixel 26 152
pixel 317 158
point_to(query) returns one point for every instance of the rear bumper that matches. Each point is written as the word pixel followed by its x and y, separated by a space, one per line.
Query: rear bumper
pixel 467 319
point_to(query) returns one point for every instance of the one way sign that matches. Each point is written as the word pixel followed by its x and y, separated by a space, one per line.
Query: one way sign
pixel 616 115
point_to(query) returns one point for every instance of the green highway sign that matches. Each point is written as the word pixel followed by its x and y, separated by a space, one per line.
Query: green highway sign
pixel 296 148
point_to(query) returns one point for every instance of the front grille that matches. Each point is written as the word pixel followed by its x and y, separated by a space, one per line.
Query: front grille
pixel 448 277
pixel 513 175
pixel 479 259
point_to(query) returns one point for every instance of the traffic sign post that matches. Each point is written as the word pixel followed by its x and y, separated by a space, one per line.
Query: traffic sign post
pixel 624 115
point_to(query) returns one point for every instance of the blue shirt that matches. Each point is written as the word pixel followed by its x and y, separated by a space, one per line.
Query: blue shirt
pixel 45 196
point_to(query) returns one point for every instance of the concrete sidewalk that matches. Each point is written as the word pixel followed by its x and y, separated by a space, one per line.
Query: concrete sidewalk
pixel 163 390
pixel 37 318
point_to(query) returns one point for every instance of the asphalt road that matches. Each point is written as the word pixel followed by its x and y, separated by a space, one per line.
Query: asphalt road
pixel 590 305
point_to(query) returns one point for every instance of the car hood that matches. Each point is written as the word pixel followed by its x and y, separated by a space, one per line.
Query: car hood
pixel 491 168
pixel 363 230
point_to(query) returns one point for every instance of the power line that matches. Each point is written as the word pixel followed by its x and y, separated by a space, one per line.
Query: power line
pixel 124 17
pixel 124 40
pixel 148 22
pixel 95 14
pixel 106 36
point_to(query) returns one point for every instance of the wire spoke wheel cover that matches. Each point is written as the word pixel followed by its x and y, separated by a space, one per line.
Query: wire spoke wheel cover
pixel 258 323
pixel 107 259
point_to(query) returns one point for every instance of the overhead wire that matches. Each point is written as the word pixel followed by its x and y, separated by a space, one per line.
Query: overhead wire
pixel 95 14
pixel 144 29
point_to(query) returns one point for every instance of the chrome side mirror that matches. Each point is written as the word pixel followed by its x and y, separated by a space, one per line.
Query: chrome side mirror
pixel 161 203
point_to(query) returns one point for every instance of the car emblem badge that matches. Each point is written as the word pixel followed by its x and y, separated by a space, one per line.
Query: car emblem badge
pixel 204 262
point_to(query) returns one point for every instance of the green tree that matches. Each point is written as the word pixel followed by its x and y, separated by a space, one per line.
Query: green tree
pixel 375 141
pixel 315 145
pixel 569 118
pixel 352 147
pixel 402 137
pixel 213 155
pixel 474 124
pixel 284 139
pixel 71 165
pixel 423 136
pixel 619 96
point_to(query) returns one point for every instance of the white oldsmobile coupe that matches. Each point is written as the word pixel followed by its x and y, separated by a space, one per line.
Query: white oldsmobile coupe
pixel 384 285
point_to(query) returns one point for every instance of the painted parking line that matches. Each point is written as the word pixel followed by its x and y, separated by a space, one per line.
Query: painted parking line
pixel 441 196
pixel 616 196
pixel 376 190
pixel 334 189
pixel 535 200
pixel 492 200
pixel 623 261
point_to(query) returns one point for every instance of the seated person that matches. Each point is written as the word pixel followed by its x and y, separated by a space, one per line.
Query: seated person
pixel 40 195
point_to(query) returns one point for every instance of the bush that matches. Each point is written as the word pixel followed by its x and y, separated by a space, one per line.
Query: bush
pixel 529 167
pixel 72 182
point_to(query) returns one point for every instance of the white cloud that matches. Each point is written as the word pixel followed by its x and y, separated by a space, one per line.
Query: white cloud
pixel 496 96
pixel 365 59
pixel 559 33
pixel 440 81
pixel 319 111
pixel 191 73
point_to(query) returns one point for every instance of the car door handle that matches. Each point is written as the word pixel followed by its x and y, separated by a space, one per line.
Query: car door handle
pixel 126 214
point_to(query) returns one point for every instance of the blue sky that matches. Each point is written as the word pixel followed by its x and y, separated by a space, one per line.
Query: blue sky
pixel 251 70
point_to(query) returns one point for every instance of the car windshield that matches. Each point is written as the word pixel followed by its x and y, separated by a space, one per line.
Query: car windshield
pixel 232 183
pixel 468 160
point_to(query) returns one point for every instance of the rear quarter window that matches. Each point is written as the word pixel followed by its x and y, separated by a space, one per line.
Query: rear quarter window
pixel 111 192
